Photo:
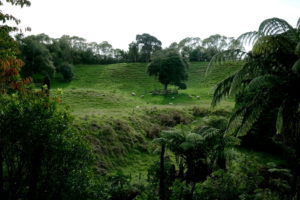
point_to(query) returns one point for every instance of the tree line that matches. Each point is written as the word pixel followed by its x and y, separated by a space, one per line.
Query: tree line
pixel 45 55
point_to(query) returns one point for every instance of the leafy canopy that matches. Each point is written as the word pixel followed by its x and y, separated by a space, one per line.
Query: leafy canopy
pixel 147 44
pixel 169 67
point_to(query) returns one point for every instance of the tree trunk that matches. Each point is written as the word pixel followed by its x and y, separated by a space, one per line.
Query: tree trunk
pixel 162 173
pixel 181 171
pixel 1 174
pixel 190 170
pixel 34 173
pixel 166 88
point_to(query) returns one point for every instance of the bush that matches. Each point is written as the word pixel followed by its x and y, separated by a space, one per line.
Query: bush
pixel 182 86
pixel 66 70
pixel 120 187
pixel 200 112
pixel 44 157
pixel 180 191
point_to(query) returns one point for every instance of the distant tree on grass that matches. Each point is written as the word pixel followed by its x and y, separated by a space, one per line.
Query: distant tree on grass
pixel 66 70
pixel 169 67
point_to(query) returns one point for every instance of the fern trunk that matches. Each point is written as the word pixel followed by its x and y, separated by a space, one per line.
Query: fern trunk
pixel 162 173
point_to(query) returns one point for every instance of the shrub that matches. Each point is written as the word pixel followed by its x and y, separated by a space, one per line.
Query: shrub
pixel 66 70
pixel 181 86
pixel 180 191
pixel 199 112
pixel 44 157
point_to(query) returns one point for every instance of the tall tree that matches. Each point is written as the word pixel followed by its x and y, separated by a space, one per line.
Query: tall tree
pixel 148 44
pixel 36 56
pixel 133 52
pixel 187 45
pixel 169 67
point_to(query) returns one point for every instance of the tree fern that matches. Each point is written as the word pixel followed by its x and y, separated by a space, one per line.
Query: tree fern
pixel 274 26
pixel 267 85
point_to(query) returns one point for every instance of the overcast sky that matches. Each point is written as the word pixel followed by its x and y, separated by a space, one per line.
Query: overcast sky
pixel 119 21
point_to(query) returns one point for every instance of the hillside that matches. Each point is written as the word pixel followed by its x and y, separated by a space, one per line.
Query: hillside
pixel 108 88
pixel 121 126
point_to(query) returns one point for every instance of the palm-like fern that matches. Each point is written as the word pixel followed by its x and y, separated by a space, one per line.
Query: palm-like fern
pixel 269 79
pixel 267 83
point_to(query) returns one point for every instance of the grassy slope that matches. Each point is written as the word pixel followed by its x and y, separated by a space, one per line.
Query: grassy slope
pixel 107 88
pixel 100 96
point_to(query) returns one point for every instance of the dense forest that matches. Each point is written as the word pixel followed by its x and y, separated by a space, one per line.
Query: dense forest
pixel 197 120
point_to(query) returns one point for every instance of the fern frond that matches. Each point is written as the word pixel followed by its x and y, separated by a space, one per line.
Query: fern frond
pixel 251 116
pixel 194 138
pixel 265 45
pixel 160 140
pixel 222 90
pixel 243 74
pixel 192 141
pixel 232 55
pixel 248 38
pixel 235 122
pixel 231 141
pixel 209 133
pixel 243 119
pixel 296 66
pixel 274 26
pixel 264 81
pixel 173 134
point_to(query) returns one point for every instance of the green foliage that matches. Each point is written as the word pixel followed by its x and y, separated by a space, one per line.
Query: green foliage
pixel 151 192
pixel 195 49
pixel 246 180
pixel 133 52
pixel 120 187
pixel 169 67
pixel 4 17
pixel 180 190
pixel 148 44
pixel 42 156
pixel 266 89
pixel 262 84
pixel 67 71
pixel 37 57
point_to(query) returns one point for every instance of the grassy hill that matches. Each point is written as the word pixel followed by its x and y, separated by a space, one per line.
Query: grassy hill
pixel 108 88
pixel 121 127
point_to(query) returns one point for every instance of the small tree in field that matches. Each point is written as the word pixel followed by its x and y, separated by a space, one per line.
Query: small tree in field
pixel 169 67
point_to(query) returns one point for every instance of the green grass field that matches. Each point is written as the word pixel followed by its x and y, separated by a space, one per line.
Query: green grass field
pixel 107 89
